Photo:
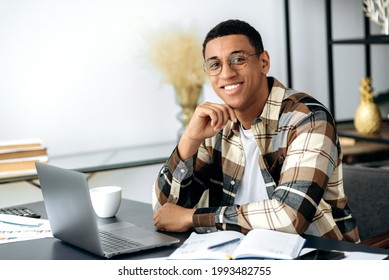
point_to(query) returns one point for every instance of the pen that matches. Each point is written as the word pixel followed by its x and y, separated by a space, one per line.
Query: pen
pixel 223 243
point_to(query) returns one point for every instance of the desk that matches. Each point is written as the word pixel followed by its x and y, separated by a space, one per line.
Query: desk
pixel 107 159
pixel 138 213
pixel 51 248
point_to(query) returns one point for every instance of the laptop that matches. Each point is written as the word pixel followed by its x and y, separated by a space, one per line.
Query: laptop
pixel 73 220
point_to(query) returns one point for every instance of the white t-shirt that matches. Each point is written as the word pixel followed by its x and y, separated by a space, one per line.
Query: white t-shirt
pixel 252 187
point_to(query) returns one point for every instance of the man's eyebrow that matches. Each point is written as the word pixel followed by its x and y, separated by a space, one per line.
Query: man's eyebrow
pixel 233 52
pixel 211 58
pixel 238 51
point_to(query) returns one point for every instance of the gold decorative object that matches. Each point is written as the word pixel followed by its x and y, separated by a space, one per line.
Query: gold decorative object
pixel 178 55
pixel 368 119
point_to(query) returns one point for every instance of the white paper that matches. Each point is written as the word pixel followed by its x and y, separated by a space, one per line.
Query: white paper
pixel 16 228
pixel 196 246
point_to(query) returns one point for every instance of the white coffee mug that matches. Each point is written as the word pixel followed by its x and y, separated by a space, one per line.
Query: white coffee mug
pixel 106 200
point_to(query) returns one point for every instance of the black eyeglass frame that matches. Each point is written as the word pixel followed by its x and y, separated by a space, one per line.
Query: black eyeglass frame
pixel 235 66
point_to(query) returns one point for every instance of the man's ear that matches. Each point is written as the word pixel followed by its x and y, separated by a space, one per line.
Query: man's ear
pixel 265 62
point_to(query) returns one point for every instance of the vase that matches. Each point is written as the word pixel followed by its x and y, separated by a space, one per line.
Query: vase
pixel 188 99
pixel 367 119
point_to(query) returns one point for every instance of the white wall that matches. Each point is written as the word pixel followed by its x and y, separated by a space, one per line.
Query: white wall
pixel 75 73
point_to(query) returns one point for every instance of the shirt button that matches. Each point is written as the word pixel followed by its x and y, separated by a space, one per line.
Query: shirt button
pixel 182 170
pixel 232 182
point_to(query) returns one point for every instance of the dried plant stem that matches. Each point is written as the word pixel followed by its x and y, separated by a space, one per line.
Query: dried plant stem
pixel 177 54
pixel 378 12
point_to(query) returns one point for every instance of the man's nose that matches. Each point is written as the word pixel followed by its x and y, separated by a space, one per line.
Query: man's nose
pixel 227 71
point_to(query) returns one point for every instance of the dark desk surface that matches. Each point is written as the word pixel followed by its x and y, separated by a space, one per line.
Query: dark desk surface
pixel 138 213
pixel 51 248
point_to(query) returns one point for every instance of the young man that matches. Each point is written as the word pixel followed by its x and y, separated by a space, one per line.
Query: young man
pixel 269 157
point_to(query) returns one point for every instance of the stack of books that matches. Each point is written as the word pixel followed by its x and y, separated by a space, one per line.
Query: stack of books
pixel 18 157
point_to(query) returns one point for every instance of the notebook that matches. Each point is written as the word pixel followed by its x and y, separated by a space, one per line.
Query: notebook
pixel 73 220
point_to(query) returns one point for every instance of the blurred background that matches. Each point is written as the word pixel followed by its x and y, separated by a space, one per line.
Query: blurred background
pixel 76 73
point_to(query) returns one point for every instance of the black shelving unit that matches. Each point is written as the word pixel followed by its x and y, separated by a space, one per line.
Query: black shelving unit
pixel 288 45
pixel 372 39
pixel 367 40
pixel 330 44
pixel 367 148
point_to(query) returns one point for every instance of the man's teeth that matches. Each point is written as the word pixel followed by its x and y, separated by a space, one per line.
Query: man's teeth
pixel 231 87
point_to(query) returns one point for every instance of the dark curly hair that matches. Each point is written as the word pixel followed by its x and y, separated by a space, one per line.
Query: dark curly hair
pixel 235 27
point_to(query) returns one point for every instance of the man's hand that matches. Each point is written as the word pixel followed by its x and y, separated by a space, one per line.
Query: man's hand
pixel 207 120
pixel 174 218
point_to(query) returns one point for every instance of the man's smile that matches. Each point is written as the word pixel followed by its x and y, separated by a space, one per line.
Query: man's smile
pixel 232 87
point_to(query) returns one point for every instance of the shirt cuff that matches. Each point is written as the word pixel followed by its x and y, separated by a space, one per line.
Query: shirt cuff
pixel 204 220
pixel 181 169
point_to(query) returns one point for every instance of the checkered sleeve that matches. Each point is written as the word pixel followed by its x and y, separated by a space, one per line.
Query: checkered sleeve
pixel 176 183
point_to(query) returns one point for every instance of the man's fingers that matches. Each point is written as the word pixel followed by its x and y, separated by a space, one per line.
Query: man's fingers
pixel 231 114
pixel 219 114
pixel 208 119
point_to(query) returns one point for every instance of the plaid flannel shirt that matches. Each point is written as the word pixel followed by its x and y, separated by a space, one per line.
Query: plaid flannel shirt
pixel 301 163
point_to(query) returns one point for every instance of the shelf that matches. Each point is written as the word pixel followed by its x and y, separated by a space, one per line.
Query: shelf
pixel 363 149
pixel 365 152
pixel 346 129
pixel 373 39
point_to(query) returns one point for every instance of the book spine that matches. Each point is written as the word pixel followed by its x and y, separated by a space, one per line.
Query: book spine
pixel 16 165
pixel 20 144
pixel 23 153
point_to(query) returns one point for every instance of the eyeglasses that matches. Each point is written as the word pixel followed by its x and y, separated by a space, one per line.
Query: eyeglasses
pixel 236 61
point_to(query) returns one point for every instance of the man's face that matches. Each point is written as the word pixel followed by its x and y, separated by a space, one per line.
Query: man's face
pixel 238 88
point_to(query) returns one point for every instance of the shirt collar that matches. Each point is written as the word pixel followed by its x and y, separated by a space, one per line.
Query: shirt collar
pixel 271 110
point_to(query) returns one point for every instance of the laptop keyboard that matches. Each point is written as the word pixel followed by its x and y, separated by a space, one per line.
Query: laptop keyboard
pixel 114 243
